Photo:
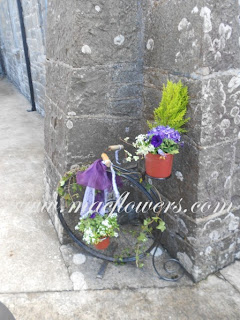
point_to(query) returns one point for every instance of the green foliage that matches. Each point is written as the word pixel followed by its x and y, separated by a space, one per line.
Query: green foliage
pixel 147 230
pixel 148 186
pixel 68 187
pixel 169 146
pixel 172 108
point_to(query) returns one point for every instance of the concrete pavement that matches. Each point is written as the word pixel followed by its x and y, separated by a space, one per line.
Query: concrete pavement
pixel 40 279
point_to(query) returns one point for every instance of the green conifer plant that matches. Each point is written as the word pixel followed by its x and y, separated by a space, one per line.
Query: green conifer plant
pixel 172 108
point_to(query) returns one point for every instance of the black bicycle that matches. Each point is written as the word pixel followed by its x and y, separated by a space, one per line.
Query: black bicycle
pixel 138 204
pixel 137 197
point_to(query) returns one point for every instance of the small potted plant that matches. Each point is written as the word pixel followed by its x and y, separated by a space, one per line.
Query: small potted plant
pixel 97 229
pixel 158 147
pixel 163 140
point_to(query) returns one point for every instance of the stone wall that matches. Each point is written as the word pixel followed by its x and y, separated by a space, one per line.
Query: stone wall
pixel 94 82
pixel 12 47
pixel 2 71
pixel 198 42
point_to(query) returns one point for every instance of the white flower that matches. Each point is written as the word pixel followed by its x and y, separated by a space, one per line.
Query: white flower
pixel 128 159
pixel 86 238
pixel 151 148
pixel 135 158
pixel 140 138
pixel 126 139
pixel 128 153
pixel 115 234
pixel 88 232
pixel 106 223
pixel 114 214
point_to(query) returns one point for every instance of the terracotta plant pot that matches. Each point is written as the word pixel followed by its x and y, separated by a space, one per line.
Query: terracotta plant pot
pixel 157 166
pixel 103 244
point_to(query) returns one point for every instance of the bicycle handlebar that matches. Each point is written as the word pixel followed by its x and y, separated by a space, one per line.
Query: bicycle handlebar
pixel 116 147
pixel 105 157
pixel 106 160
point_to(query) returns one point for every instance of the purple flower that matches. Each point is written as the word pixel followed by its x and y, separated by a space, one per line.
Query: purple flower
pixel 93 215
pixel 156 141
pixel 165 133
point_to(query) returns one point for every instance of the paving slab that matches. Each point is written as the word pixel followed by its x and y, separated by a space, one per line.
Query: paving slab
pixel 30 256
pixel 232 274
pixel 116 276
pixel 213 299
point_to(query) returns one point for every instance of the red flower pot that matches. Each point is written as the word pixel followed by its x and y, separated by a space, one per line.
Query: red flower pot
pixel 158 166
pixel 103 244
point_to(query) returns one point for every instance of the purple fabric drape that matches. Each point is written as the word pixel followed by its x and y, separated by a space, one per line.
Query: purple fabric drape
pixel 96 176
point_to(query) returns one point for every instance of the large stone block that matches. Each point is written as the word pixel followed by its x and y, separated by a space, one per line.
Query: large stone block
pixel 56 136
pixel 215 176
pixel 97 34
pixel 127 72
pixel 88 137
pixel 179 223
pixel 58 78
pixel 210 259
pixel 220 35
pixel 234 183
pixel 202 248
pixel 192 36
pixel 88 91
pixel 95 90
pixel 111 34
pixel 218 228
pixel 173 36
pixel 152 92
pixel 128 107
pixel 59 38
pixel 220 109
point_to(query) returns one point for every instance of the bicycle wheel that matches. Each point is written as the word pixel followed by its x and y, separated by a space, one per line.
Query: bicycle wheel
pixel 126 247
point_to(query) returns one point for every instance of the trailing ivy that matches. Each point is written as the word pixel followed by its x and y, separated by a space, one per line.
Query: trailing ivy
pixel 68 188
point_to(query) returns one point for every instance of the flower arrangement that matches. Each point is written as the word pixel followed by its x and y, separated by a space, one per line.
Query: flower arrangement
pixel 161 140
pixel 95 227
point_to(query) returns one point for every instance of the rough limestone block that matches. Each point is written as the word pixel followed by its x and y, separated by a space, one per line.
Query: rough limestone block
pixel 56 136
pixel 220 109
pixel 199 37
pixel 95 90
pixel 215 181
pixel 95 35
pixel 106 35
pixel 60 39
pixel 173 24
pixel 89 137
pixel 57 82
